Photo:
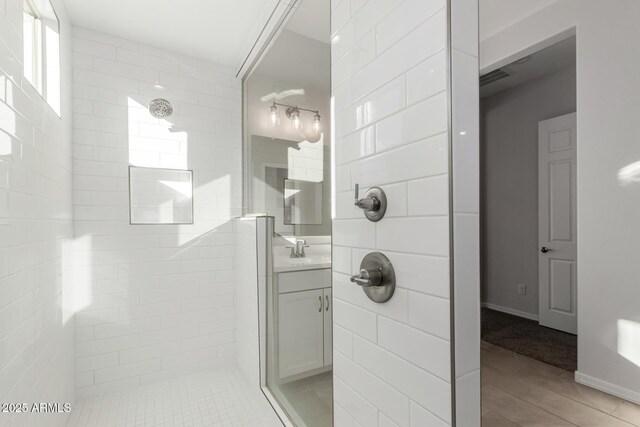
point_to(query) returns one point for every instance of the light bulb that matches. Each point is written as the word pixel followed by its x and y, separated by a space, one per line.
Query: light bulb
pixel 317 127
pixel 295 119
pixel 274 119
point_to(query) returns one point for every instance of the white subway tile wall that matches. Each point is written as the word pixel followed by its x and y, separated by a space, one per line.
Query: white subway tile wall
pixel 154 301
pixel 247 308
pixel 36 228
pixel 392 362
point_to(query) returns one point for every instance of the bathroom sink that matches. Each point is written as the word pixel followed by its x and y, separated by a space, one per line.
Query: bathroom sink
pixel 281 264
pixel 316 257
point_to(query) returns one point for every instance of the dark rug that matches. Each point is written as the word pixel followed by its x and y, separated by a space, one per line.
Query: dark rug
pixel 528 338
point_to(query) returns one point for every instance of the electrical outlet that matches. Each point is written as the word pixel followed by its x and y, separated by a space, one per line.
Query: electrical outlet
pixel 522 289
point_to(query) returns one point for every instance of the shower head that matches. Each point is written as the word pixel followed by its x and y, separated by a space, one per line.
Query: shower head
pixel 160 108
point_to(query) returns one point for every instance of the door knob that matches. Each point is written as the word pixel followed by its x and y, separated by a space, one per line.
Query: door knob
pixel 376 277
pixel 545 249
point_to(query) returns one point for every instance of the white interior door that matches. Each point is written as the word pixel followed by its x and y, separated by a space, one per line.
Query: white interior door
pixel 557 223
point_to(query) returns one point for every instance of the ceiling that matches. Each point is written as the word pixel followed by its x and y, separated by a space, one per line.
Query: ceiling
pixel 215 30
pixel 312 18
pixel 553 58
pixel 496 15
pixel 299 61
pixel 300 55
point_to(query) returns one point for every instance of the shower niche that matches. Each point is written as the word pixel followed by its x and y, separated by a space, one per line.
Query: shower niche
pixel 160 196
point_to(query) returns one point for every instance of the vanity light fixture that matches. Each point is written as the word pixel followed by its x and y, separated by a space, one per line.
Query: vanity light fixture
pixel 317 126
pixel 293 114
pixel 274 117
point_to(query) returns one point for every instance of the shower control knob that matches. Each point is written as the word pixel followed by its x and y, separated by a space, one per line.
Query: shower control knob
pixel 376 277
pixel 366 278
pixel 374 203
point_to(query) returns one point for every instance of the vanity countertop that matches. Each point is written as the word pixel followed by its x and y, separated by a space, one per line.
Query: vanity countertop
pixel 317 257
pixel 299 264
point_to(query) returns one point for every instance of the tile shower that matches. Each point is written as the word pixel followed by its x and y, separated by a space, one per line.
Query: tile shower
pixel 189 313
pixel 153 302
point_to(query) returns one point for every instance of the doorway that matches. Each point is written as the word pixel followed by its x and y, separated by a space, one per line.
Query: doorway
pixel 528 142
pixel 528 228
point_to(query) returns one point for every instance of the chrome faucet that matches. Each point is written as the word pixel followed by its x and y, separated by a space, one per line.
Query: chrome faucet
pixel 297 251
pixel 300 245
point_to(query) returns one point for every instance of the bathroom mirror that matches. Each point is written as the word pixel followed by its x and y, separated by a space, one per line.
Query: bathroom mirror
pixel 160 196
pixel 302 202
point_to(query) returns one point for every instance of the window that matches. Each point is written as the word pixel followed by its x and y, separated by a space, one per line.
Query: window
pixel 41 59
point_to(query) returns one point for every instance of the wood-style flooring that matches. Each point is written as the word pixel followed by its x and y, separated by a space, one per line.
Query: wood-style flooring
pixel 519 391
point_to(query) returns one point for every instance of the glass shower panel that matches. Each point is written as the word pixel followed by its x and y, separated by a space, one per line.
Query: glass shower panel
pixel 295 305
pixel 287 180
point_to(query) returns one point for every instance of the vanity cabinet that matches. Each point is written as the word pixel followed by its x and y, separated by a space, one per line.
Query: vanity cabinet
pixel 304 323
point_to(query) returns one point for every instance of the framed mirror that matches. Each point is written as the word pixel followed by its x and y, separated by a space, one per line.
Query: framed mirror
pixel 302 202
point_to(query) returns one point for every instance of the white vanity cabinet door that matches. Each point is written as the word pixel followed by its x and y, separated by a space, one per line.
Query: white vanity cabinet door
pixel 328 327
pixel 301 331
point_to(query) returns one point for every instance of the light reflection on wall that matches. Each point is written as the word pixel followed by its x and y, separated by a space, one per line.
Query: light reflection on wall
pixel 629 340
pixel 629 174
pixel 78 272
pixel 154 142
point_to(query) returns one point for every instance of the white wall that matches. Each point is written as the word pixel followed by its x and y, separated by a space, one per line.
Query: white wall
pixel 155 300
pixel 510 192
pixel 246 255
pixel 496 15
pixel 36 319
pixel 608 292
pixel 392 362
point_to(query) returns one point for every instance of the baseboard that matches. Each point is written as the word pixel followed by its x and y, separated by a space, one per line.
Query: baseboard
pixel 512 311
pixel 621 392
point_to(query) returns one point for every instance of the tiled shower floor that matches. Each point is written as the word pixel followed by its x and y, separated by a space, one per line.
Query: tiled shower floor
pixel 219 397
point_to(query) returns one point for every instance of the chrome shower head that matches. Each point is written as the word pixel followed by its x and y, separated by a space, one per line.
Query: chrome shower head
pixel 160 108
